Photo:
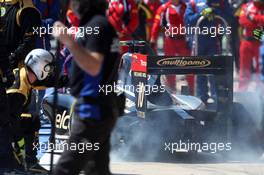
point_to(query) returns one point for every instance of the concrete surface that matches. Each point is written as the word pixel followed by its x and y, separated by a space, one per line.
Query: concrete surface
pixel 145 168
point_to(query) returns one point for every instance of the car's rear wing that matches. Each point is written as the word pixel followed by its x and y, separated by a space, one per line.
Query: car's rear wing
pixel 220 66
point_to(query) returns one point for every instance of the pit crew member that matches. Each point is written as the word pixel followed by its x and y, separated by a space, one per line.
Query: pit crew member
pixel 169 17
pixel 17 20
pixel 251 17
pixel 94 58
pixel 208 45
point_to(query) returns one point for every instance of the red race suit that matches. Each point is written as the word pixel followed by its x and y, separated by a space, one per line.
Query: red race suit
pixel 251 17
pixel 170 18
pixel 123 15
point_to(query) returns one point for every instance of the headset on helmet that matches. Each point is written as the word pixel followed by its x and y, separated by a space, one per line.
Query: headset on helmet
pixel 40 62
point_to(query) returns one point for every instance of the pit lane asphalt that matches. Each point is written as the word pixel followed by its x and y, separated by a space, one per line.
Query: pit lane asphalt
pixel 148 168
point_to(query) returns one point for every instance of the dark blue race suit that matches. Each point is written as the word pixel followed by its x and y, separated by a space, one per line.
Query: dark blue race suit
pixel 210 42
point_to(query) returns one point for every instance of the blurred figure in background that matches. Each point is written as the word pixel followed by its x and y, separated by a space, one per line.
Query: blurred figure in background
pixel 96 60
pixel 208 45
pixel 251 17
pixel 153 6
pixel 145 21
pixel 50 12
pixel 123 15
pixel 236 6
pixel 169 19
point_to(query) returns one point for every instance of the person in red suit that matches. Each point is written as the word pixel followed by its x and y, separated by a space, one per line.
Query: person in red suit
pixel 123 15
pixel 251 17
pixel 153 6
pixel 170 17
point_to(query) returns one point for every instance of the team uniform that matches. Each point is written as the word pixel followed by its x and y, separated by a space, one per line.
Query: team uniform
pixel 145 22
pixel 249 46
pixel 91 121
pixel 17 40
pixel 170 16
pixel 25 125
pixel 146 12
pixel 123 15
pixel 208 45
pixel 153 5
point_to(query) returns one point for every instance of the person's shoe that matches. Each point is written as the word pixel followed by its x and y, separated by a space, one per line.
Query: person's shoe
pixel 37 169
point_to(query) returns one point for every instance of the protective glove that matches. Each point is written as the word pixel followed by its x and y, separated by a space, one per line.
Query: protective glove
pixel 258 34
pixel 208 13
pixel 7 79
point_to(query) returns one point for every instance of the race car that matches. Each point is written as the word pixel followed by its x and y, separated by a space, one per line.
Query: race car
pixel 155 116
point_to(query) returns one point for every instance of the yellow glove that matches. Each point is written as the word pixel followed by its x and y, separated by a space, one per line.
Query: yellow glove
pixel 208 13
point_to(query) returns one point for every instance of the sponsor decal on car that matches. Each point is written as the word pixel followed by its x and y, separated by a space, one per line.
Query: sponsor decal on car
pixel 182 62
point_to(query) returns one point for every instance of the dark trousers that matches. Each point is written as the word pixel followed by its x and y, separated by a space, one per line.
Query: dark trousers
pixel 87 131
pixel 6 155
pixel 203 89
pixel 209 47
pixel 13 128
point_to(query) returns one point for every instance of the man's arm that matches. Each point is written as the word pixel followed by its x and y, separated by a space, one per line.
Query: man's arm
pixel 89 61
pixel 249 18
pixel 243 19
pixel 156 26
pixel 259 19
pixel 134 20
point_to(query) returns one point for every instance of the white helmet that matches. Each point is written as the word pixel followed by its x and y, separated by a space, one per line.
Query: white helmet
pixel 40 61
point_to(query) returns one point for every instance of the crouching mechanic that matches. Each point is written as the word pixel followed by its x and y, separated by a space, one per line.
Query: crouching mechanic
pixel 36 74
pixel 17 39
